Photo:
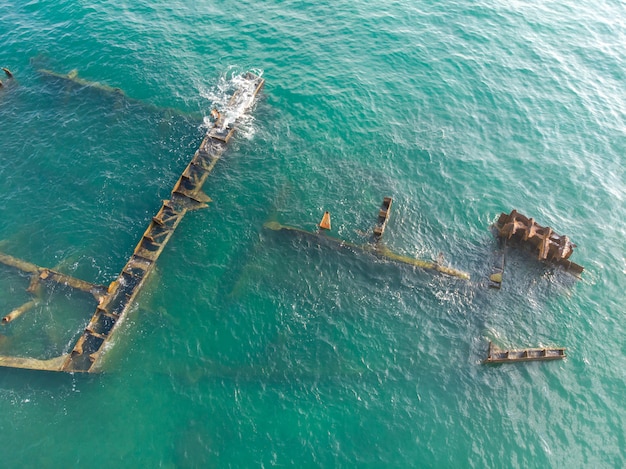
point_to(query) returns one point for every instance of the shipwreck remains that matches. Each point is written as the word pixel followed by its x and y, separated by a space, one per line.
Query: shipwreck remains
pixel 383 218
pixel 115 301
pixel 549 246
pixel 73 81
pixel 375 248
pixel 325 223
pixel 8 74
pixel 42 274
pixel 73 78
pixel 497 355
pixel 497 269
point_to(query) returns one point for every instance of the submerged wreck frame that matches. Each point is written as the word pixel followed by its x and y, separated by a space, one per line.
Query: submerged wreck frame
pixel 115 301
pixel 498 355
pixel 549 246
pixel 376 247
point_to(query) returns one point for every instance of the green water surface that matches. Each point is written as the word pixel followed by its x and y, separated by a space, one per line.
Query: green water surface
pixel 254 348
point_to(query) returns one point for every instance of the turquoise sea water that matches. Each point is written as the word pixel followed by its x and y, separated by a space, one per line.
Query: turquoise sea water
pixel 250 348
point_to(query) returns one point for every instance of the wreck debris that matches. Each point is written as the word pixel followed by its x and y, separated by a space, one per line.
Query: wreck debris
pixel 17 312
pixel 186 195
pixel 549 246
pixel 377 249
pixel 8 73
pixel 44 274
pixel 383 218
pixel 497 270
pixel 325 223
pixel 72 79
pixel 497 355
pixel 115 301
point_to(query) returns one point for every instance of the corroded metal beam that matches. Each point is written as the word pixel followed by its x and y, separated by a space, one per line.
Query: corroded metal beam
pixel 52 364
pixel 45 274
pixel 376 249
pixel 17 312
pixel 72 78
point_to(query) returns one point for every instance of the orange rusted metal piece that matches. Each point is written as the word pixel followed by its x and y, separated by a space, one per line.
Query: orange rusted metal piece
pixel 548 245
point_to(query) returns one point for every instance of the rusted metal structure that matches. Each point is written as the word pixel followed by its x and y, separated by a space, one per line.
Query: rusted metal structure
pixel 325 222
pixel 383 218
pixel 72 77
pixel 72 80
pixel 497 269
pixel 497 355
pixel 549 246
pixel 376 248
pixel 115 301
pixel 42 274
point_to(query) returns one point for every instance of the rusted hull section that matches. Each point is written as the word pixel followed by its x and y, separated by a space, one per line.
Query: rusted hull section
pixel 72 79
pixel 123 291
pixel 548 245
pixel 377 250
pixel 52 364
pixel 497 355
pixel 186 195
pixel 115 302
